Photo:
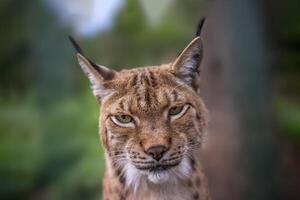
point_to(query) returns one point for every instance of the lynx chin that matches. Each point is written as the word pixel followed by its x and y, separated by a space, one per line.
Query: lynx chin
pixel 152 126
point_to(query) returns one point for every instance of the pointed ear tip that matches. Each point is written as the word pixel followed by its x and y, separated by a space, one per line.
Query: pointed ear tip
pixel 79 56
pixel 197 40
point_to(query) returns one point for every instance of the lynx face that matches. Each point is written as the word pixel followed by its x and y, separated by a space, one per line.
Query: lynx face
pixel 152 119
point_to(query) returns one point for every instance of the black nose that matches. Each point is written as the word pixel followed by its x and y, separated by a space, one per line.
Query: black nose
pixel 156 152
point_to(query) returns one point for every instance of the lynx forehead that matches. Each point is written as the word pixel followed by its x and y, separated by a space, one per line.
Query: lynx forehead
pixel 152 124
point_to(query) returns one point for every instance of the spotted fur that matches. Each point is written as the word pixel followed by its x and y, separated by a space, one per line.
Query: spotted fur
pixel 147 94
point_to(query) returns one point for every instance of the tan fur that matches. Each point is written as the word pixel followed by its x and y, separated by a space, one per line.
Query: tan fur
pixel 147 94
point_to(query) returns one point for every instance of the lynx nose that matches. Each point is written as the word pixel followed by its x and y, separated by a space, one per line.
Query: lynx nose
pixel 156 152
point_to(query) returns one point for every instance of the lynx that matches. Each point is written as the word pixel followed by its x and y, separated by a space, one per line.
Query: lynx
pixel 152 125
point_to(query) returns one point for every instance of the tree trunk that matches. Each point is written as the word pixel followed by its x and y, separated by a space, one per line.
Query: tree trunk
pixel 240 153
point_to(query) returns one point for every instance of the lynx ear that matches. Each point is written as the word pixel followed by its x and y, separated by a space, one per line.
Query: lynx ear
pixel 187 66
pixel 97 74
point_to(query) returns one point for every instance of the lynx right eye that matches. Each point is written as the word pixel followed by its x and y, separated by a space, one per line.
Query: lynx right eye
pixel 122 120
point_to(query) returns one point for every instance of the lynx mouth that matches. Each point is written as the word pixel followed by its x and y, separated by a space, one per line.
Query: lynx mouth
pixel 158 167
pixel 158 173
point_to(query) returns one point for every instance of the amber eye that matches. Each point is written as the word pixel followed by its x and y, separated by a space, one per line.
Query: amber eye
pixel 175 110
pixel 124 119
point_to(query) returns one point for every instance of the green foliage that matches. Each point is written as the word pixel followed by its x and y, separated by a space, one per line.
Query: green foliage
pixel 55 150
pixel 20 141
pixel 288 113
pixel 288 30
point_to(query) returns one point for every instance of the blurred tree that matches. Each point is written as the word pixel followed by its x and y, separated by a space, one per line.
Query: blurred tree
pixel 250 81
pixel 15 49
pixel 242 154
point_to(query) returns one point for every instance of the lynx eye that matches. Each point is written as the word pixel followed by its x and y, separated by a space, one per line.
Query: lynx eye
pixel 122 120
pixel 125 119
pixel 177 111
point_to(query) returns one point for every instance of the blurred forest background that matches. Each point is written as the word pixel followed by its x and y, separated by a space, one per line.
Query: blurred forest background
pixel 49 145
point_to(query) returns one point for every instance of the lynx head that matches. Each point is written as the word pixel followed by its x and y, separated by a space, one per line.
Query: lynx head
pixel 152 119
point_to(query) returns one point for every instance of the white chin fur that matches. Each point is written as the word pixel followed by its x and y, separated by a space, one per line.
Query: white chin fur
pixel 159 177
pixel 136 178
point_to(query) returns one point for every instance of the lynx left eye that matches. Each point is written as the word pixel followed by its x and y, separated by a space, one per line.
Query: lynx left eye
pixel 175 110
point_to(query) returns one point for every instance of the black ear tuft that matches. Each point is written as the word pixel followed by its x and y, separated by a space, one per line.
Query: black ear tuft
pixel 79 50
pixel 199 28
pixel 75 45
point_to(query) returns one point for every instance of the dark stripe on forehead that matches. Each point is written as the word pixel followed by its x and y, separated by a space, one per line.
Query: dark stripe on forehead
pixel 152 79
pixel 147 97
pixel 133 81
pixel 136 92
pixel 143 79
pixel 135 84
pixel 146 80
pixel 154 97
pixel 143 90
